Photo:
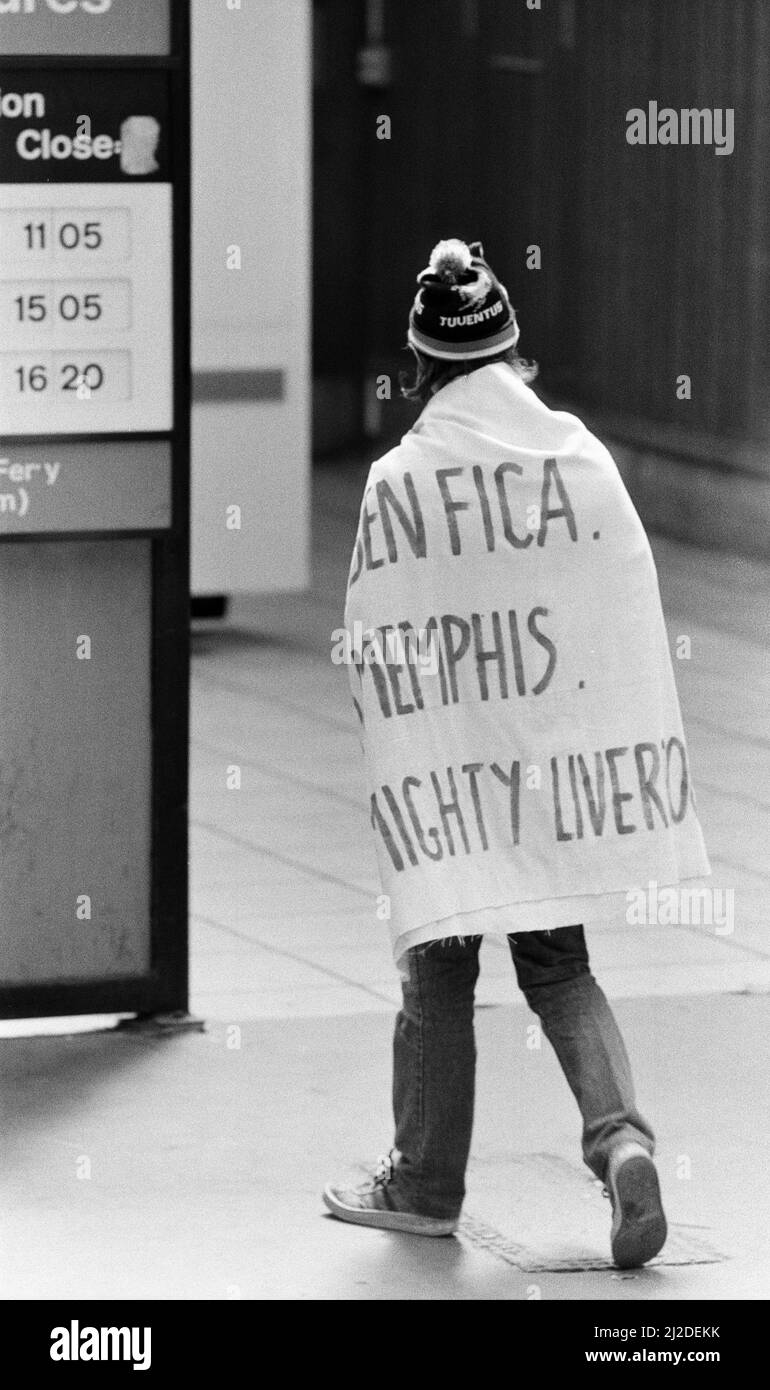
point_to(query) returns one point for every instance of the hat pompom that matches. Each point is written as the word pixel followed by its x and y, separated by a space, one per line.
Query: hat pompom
pixel 450 259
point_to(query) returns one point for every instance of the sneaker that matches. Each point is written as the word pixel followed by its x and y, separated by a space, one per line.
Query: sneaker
pixel 373 1204
pixel 638 1223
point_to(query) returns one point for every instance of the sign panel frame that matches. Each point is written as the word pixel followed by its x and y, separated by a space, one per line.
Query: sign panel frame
pixel 163 987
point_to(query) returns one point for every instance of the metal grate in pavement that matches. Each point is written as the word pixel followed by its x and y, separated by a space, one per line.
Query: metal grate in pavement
pixel 540 1212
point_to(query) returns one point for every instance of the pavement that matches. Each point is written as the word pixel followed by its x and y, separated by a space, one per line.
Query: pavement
pixel 143 1165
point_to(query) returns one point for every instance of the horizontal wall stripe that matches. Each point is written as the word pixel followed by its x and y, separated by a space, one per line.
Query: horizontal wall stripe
pixel 257 384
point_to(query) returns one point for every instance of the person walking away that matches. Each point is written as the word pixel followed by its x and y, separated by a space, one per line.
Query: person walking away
pixel 525 761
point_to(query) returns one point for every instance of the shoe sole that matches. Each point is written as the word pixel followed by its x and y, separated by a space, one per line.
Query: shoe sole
pixel 407 1222
pixel 641 1231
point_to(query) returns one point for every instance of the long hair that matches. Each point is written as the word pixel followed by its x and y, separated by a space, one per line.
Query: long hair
pixel 431 373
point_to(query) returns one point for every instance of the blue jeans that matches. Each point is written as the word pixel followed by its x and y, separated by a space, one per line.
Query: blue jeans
pixel 434 1059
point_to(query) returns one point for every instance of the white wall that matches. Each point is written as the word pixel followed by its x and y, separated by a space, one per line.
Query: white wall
pixel 251 86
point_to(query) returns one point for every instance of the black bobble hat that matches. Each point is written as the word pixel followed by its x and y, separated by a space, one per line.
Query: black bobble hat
pixel 461 308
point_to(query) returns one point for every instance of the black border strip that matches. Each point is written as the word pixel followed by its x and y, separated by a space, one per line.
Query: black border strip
pixel 171 600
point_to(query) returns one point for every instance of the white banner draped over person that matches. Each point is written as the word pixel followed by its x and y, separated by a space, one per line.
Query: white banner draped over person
pixel 525 759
